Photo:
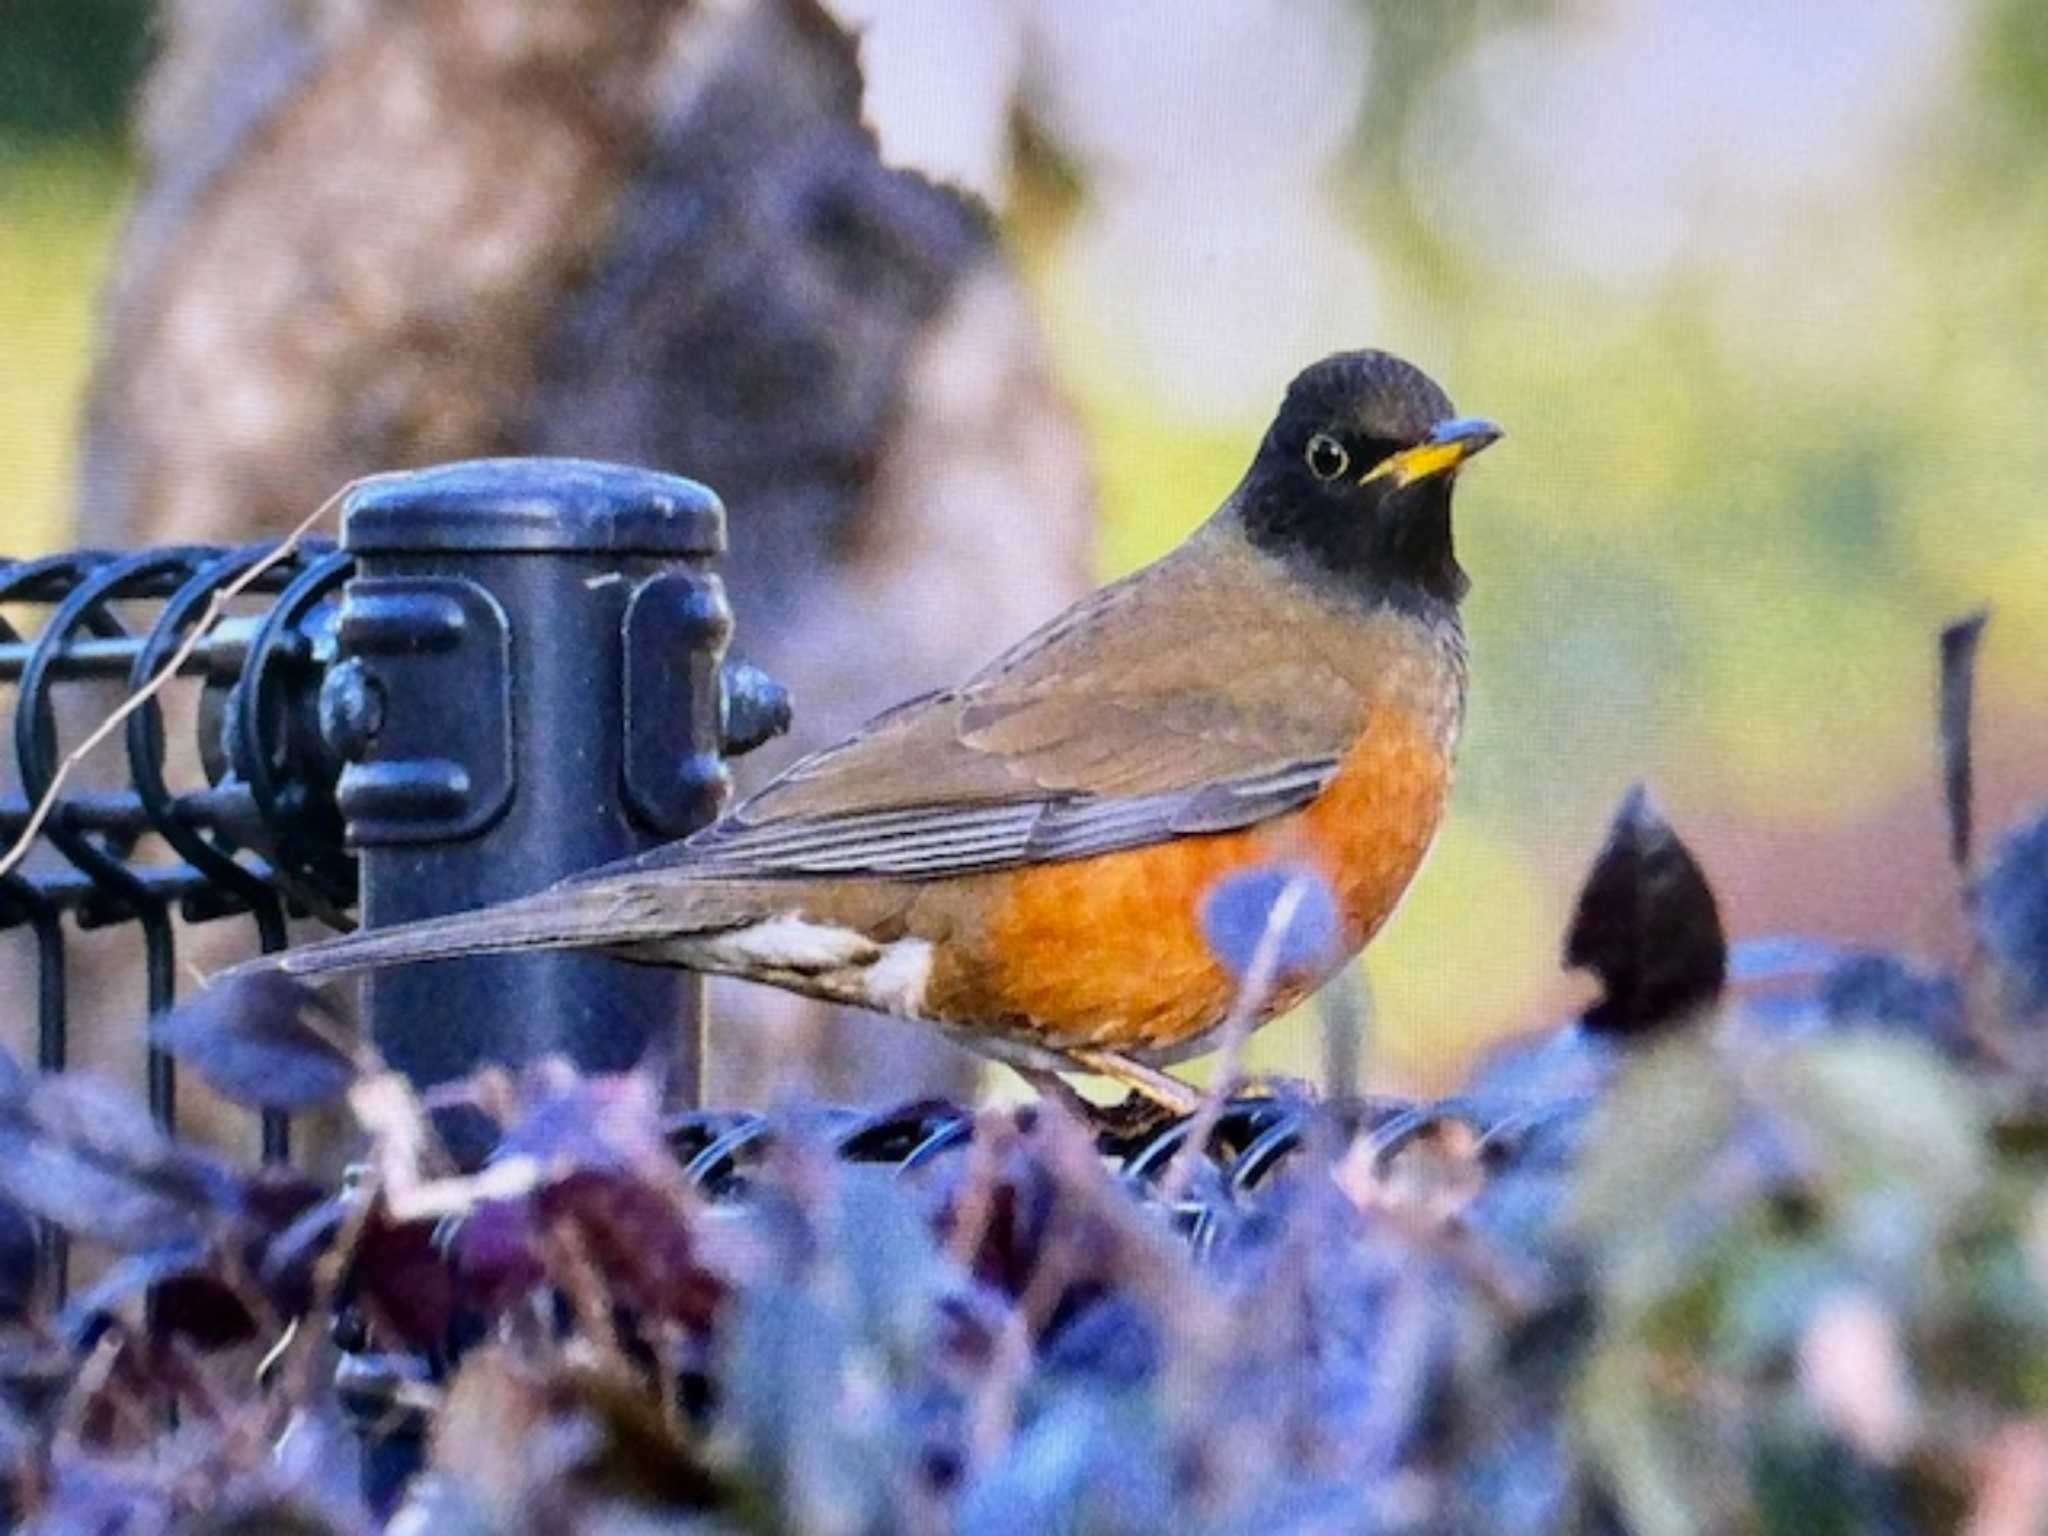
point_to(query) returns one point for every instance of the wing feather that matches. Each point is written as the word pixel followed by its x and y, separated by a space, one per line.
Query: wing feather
pixel 1087 738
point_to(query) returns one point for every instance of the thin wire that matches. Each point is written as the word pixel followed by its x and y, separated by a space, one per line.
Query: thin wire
pixel 1257 986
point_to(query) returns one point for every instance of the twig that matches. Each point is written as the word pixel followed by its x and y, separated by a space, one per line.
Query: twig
pixel 216 609
pixel 1252 993
pixel 975 1204
pixel 1983 1019
pixel 1958 688
pixel 1344 1010
pixel 992 1411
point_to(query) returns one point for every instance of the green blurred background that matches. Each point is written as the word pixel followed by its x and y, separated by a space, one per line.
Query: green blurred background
pixel 1761 303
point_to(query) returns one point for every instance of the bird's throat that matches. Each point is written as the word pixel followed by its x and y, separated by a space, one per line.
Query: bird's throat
pixel 1400 551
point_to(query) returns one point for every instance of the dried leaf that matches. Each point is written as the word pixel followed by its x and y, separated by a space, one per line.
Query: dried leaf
pixel 405 1281
pixel 1431 1174
pixel 1647 925
pixel 638 1239
pixel 1010 1214
pixel 487 1431
pixel 267 1515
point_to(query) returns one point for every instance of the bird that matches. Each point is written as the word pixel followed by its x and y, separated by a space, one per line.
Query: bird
pixel 1021 860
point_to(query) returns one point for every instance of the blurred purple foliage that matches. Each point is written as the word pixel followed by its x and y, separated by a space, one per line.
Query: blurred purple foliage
pixel 1760 1260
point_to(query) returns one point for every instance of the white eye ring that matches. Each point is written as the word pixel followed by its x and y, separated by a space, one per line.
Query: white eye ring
pixel 1326 457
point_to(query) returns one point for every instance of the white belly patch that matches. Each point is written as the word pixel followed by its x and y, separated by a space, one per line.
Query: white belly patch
pixel 825 960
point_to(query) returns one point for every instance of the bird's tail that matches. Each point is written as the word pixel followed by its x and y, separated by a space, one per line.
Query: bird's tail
pixel 587 916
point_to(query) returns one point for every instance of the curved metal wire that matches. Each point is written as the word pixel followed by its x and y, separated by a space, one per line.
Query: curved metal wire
pixel 101 630
pixel 102 857
pixel 1253 1139
pixel 308 845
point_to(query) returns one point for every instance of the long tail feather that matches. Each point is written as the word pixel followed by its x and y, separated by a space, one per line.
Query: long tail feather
pixel 563 917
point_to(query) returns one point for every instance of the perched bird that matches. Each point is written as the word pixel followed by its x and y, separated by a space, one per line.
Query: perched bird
pixel 1021 859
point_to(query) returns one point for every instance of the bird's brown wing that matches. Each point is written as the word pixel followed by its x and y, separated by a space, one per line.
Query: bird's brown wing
pixel 1131 719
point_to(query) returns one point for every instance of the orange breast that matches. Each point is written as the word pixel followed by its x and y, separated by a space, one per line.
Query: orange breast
pixel 1108 952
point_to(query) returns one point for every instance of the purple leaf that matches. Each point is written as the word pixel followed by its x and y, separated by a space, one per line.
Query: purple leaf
pixel 1238 909
pixel 607 1121
pixel 1878 991
pixel 494 1254
pixel 122 1284
pixel 405 1280
pixel 273 1201
pixel 286 1268
pixel 202 1309
pixel 79 1153
pixel 639 1240
pixel 1782 957
pixel 187 1300
pixel 634 1234
pixel 2012 914
pixel 265 1040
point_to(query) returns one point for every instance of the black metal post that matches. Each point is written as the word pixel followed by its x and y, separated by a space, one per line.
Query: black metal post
pixel 529 686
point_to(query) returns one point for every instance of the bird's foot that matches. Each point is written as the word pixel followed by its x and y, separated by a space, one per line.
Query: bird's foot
pixel 1129 1119
pixel 1150 1086
pixel 1132 1119
pixel 1155 1099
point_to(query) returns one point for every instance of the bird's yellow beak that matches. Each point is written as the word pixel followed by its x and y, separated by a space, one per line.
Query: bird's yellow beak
pixel 1449 444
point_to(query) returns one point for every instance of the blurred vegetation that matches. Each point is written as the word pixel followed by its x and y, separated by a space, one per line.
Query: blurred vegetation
pixel 1758 1259
pixel 59 213
pixel 70 68
pixel 68 72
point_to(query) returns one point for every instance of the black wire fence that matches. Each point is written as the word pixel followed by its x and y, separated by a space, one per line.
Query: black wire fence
pixel 507 671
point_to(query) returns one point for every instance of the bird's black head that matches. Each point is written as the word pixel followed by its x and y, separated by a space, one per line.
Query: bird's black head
pixel 1355 475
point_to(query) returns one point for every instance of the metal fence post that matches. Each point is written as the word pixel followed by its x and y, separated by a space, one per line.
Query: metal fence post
pixel 530 685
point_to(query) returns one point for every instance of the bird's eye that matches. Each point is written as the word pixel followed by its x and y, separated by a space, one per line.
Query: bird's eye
pixel 1326 457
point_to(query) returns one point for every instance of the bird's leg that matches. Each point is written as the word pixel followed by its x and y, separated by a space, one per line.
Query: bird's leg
pixel 1160 1088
